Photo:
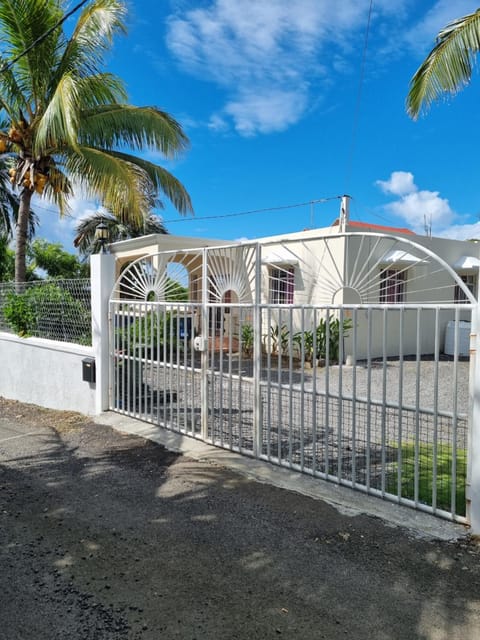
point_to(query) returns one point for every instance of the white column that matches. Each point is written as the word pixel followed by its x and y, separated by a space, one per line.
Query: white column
pixel 102 270
pixel 473 453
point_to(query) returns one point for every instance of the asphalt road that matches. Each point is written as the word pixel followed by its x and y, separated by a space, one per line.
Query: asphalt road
pixel 108 536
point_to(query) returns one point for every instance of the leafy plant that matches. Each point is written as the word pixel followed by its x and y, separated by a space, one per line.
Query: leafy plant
pixel 247 336
pixel 279 339
pixel 304 340
pixel 326 334
pixel 48 311
pixel 19 314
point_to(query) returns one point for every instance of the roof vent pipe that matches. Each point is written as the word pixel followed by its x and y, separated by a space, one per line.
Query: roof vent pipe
pixel 344 213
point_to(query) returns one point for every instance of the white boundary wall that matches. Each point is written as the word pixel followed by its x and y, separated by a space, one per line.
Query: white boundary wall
pixel 49 373
pixel 46 373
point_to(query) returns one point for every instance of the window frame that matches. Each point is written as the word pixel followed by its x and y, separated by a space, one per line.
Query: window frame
pixel 393 286
pixel 281 284
pixel 459 296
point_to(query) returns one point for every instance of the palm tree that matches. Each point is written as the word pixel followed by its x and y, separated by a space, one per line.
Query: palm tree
pixel 68 122
pixel 9 207
pixel 85 239
pixel 448 66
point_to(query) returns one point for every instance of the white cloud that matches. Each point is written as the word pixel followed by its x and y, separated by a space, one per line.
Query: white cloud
pixel 273 111
pixel 217 123
pixel 263 54
pixel 416 206
pixel 400 183
pixel 461 231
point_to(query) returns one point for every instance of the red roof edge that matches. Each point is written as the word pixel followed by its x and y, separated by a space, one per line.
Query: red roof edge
pixel 375 227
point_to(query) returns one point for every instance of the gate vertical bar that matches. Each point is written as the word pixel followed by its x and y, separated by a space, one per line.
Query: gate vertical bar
pixel 257 357
pixel 204 351
pixel 473 470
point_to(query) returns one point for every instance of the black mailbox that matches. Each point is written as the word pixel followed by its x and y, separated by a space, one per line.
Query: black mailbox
pixel 88 370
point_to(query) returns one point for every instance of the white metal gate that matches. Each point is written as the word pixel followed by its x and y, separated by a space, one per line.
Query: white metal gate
pixel 345 357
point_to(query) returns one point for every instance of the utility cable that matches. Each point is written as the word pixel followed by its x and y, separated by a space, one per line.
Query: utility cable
pixel 356 116
pixel 41 38
pixel 246 213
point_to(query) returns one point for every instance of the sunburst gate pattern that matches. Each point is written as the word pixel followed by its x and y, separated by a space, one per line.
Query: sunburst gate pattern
pixel 361 268
pixel 158 277
pixel 348 268
pixel 231 269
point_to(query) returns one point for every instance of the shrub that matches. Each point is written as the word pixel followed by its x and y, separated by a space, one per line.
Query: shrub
pixel 150 335
pixel 48 311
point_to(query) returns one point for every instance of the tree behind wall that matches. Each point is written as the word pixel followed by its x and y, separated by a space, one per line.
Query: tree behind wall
pixel 85 239
pixel 55 261
pixel 65 120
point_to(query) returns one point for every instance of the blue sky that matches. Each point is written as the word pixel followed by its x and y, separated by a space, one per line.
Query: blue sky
pixel 268 93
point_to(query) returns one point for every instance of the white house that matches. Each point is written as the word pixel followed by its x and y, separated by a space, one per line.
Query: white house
pixel 350 268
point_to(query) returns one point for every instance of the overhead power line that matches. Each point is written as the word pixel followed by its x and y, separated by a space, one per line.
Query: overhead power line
pixel 41 38
pixel 251 211
pixel 356 116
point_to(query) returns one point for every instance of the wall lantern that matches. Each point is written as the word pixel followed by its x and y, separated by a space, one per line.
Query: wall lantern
pixel 101 235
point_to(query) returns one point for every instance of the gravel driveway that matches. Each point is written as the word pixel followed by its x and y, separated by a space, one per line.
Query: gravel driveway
pixel 105 536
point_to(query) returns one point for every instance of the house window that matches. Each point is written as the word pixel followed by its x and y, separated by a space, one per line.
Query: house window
pixel 471 281
pixel 392 286
pixel 281 285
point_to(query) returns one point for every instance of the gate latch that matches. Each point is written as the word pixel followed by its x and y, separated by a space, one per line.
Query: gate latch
pixel 200 343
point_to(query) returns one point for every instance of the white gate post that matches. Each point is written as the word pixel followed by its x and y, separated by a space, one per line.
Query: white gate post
pixel 102 270
pixel 257 356
pixel 473 467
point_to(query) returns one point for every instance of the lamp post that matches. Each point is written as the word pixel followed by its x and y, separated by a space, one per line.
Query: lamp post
pixel 101 235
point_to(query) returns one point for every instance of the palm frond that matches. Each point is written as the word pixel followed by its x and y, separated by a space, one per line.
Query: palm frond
pixel 12 99
pixel 163 182
pixel 136 127
pixel 92 36
pixel 122 186
pixel 58 190
pixel 23 22
pixel 59 124
pixel 100 89
pixel 448 67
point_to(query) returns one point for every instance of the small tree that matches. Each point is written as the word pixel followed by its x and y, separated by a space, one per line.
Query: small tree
pixel 55 261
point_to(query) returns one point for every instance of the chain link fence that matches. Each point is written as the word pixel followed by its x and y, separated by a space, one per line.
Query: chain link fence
pixel 52 309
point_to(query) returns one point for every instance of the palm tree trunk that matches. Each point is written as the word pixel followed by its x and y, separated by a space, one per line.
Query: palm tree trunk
pixel 21 233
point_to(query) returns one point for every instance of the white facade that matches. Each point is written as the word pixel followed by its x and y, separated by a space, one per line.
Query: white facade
pixel 352 265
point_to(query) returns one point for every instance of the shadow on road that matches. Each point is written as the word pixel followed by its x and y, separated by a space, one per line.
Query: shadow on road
pixel 108 536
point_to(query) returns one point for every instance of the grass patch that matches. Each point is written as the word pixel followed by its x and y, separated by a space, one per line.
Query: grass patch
pixel 425 475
